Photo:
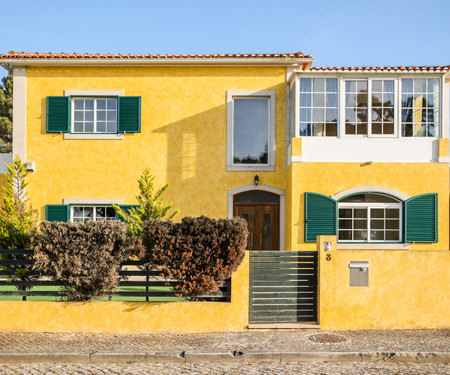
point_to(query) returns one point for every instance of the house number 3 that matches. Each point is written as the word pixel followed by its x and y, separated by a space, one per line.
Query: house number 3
pixel 328 257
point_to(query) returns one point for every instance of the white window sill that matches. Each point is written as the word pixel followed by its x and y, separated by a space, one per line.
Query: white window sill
pixel 82 201
pixel 373 246
pixel 250 168
pixel 118 136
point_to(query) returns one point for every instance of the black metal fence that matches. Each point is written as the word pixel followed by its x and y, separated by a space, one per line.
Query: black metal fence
pixel 137 283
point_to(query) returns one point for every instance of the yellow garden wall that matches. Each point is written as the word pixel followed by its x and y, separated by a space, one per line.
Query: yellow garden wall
pixel 132 317
pixel 331 178
pixel 407 289
pixel 183 139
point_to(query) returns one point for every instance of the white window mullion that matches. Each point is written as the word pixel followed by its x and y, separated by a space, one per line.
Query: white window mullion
pixel 297 108
pixel 369 107
pixel 95 118
pixel 397 109
pixel 341 108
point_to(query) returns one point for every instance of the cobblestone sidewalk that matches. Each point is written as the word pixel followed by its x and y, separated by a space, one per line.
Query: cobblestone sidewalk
pixel 247 341
pixel 231 369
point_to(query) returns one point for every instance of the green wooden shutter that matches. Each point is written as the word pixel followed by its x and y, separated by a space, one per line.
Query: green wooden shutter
pixel 57 212
pixel 126 208
pixel 58 114
pixel 129 114
pixel 421 218
pixel 320 216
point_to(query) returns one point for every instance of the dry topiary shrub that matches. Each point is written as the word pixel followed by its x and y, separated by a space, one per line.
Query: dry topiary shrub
pixel 85 256
pixel 201 253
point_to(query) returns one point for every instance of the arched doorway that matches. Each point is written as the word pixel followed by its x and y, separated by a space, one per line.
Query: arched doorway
pixel 261 209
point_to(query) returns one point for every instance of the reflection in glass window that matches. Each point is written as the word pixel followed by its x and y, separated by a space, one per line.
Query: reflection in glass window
pixel 94 115
pixel 82 214
pixel 318 107
pixel 382 106
pixel 369 218
pixel 420 107
pixel 370 107
pixel 356 107
pixel 251 130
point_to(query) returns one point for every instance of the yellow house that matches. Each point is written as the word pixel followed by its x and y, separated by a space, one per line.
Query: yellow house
pixel 359 155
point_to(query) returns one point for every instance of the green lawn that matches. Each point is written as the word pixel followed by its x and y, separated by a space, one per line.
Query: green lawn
pixel 115 298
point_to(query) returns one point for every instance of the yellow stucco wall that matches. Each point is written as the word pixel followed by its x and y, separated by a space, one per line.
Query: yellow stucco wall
pixel 183 142
pixel 183 138
pixel 331 178
pixel 407 289
pixel 132 317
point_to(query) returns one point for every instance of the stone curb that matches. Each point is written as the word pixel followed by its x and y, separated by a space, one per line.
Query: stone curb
pixel 226 357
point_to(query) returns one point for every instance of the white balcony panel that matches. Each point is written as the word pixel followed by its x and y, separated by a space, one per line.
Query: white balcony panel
pixel 363 149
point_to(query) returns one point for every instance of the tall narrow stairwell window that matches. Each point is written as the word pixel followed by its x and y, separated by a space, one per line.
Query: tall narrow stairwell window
pixel 251 130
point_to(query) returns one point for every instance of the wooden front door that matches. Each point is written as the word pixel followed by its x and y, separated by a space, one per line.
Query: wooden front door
pixel 263 222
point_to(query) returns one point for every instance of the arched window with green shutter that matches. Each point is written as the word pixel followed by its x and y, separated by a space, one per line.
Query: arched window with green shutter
pixel 372 217
pixel 421 224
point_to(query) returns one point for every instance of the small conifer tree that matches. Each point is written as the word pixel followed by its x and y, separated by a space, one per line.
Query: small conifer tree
pixel 151 205
pixel 18 220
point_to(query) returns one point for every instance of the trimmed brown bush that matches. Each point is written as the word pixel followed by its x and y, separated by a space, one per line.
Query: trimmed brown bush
pixel 201 253
pixel 86 256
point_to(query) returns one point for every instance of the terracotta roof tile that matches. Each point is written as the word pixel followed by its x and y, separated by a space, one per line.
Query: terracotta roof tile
pixel 50 55
pixel 385 69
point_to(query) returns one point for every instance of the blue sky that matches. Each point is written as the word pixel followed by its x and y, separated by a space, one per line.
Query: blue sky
pixel 345 32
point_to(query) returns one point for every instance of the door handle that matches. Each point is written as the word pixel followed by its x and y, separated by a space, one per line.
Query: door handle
pixel 260 240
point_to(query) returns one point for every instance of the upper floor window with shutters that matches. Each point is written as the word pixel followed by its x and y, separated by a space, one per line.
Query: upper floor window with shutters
pixel 94 115
pixel 318 107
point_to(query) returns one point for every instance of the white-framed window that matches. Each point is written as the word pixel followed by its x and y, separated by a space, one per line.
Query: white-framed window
pixel 370 107
pixel 369 217
pixel 318 103
pixel 84 213
pixel 250 130
pixel 94 115
pixel 367 106
pixel 421 107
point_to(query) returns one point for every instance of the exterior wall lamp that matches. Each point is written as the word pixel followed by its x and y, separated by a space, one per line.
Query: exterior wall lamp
pixel 256 180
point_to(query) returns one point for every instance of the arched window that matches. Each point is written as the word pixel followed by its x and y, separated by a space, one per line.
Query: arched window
pixel 372 217
pixel 369 217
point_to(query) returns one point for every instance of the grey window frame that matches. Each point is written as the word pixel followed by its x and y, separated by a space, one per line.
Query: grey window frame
pixel 231 95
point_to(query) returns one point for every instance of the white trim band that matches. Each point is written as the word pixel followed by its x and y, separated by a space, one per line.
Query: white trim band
pixel 94 92
pixel 375 246
pixel 274 61
pixel 118 136
pixel 372 189
pixel 82 201
pixel 20 113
